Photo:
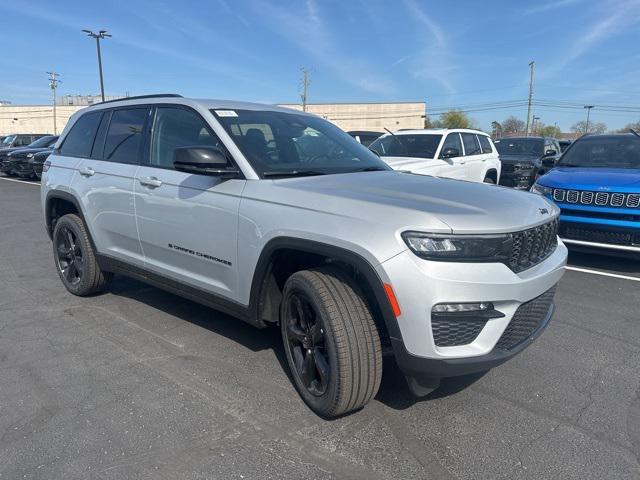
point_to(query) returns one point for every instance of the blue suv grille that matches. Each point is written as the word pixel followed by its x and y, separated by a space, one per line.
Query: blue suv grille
pixel 601 199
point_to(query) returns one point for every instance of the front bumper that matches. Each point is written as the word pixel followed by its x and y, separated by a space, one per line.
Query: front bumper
pixel 420 284
pixel 520 179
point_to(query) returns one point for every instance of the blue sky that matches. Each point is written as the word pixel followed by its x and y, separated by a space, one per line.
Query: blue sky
pixel 586 52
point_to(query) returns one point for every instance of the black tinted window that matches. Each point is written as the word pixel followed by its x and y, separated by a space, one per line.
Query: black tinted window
pixel 485 144
pixel 174 128
pixel 124 135
pixel 452 141
pixel 471 145
pixel 79 140
pixel 407 145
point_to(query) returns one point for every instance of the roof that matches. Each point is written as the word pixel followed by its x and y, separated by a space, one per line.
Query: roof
pixel 436 131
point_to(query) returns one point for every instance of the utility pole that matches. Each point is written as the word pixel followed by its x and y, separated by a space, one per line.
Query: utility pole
pixel 98 36
pixel 531 68
pixel 53 85
pixel 305 87
pixel 588 107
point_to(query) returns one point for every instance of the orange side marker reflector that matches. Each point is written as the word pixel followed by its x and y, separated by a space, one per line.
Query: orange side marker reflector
pixel 388 289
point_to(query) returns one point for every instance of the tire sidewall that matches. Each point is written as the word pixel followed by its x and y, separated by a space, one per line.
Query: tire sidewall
pixel 323 404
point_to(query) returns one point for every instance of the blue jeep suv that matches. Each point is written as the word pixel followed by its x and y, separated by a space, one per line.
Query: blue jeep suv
pixel 596 184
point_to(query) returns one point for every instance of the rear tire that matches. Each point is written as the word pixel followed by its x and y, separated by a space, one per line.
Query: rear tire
pixel 75 258
pixel 331 341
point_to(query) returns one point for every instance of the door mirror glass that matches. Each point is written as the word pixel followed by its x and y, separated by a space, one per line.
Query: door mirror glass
pixel 450 152
pixel 548 161
pixel 203 160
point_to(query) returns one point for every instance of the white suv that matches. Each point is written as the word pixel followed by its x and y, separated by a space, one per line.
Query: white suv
pixel 453 153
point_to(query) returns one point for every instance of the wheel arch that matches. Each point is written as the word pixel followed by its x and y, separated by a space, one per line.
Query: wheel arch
pixel 61 203
pixel 300 254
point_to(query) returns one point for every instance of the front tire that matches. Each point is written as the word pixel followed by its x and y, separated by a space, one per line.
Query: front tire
pixel 75 258
pixel 331 341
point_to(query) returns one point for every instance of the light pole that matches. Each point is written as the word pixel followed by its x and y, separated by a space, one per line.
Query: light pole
pixel 586 128
pixel 533 124
pixel 100 35
pixel 53 85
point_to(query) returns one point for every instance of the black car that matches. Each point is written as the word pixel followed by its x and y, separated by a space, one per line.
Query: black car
pixel 37 161
pixel 524 159
pixel 365 137
pixel 14 161
pixel 19 140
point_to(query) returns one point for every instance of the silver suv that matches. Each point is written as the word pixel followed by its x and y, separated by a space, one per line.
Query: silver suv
pixel 277 217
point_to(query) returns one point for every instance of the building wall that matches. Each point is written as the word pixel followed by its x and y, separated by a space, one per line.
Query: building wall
pixel 348 116
pixel 33 118
pixel 369 116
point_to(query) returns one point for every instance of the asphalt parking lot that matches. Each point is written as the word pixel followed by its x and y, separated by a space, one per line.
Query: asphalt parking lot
pixel 138 383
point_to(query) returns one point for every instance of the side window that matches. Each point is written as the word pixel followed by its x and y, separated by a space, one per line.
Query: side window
pixel 79 140
pixel 452 141
pixel 471 145
pixel 124 136
pixel 174 128
pixel 485 144
pixel 23 141
pixel 98 144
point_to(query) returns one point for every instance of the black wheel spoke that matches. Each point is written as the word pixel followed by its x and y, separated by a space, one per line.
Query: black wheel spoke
pixel 299 311
pixel 316 334
pixel 63 252
pixel 322 366
pixel 70 272
pixel 308 370
pixel 69 238
pixel 295 332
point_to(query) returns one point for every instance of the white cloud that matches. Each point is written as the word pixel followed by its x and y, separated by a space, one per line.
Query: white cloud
pixel 551 6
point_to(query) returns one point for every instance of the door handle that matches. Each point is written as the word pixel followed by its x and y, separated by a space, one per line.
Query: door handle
pixel 86 171
pixel 151 182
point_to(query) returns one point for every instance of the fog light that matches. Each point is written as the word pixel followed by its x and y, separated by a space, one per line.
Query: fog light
pixel 462 307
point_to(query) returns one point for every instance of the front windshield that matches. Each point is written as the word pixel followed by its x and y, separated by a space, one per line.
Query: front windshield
pixel 8 140
pixel 43 142
pixel 279 143
pixel 619 151
pixel 419 146
pixel 520 146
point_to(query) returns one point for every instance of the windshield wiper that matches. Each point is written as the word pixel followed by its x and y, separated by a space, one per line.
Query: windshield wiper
pixel 293 173
pixel 370 169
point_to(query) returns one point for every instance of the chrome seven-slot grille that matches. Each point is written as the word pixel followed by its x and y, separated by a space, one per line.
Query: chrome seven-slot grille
pixel 585 197
pixel 532 246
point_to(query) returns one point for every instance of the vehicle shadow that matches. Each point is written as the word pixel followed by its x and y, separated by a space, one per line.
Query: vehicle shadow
pixel 614 262
pixel 393 391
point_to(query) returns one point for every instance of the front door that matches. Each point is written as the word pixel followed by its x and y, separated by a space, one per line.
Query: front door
pixel 451 166
pixel 187 222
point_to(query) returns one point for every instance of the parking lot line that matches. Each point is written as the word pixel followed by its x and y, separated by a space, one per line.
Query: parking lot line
pixel 19 181
pixel 606 274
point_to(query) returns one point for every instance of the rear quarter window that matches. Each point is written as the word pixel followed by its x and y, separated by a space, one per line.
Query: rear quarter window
pixel 485 144
pixel 79 140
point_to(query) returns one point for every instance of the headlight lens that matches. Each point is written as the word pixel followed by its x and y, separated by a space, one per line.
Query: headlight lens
pixel 541 189
pixel 29 155
pixel 460 248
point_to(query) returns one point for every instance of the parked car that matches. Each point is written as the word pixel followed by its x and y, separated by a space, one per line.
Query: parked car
pixel 452 153
pixel 17 161
pixel 349 257
pixel 564 144
pixel 20 140
pixel 524 159
pixel 38 160
pixel 4 152
pixel 364 137
pixel 596 184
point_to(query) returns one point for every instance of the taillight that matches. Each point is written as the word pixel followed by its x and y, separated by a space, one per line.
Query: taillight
pixel 46 165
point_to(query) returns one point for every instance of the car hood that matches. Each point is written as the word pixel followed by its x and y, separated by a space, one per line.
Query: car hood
pixel 23 152
pixel 408 163
pixel 623 179
pixel 519 159
pixel 404 201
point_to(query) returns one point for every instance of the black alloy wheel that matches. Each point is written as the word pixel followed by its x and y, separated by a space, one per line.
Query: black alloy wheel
pixel 306 343
pixel 69 257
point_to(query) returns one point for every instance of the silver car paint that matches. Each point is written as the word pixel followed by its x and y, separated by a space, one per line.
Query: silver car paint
pixel 362 212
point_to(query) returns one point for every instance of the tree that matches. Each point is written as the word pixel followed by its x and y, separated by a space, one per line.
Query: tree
pixel 428 123
pixel 513 125
pixel 626 128
pixel 455 119
pixel 581 127
pixel 548 130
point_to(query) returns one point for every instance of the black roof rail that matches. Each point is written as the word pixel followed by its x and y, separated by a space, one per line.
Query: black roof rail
pixel 139 97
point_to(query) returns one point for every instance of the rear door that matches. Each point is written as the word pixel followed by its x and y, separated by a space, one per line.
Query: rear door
pixel 188 223
pixel 473 157
pixel 105 180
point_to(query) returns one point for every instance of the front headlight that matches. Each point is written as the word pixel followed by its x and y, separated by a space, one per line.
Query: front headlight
pixel 541 190
pixel 460 248
pixel 29 155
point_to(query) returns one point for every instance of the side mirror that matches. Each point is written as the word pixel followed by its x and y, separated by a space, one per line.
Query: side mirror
pixel 549 161
pixel 203 160
pixel 450 152
pixel 374 151
pixel 550 153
